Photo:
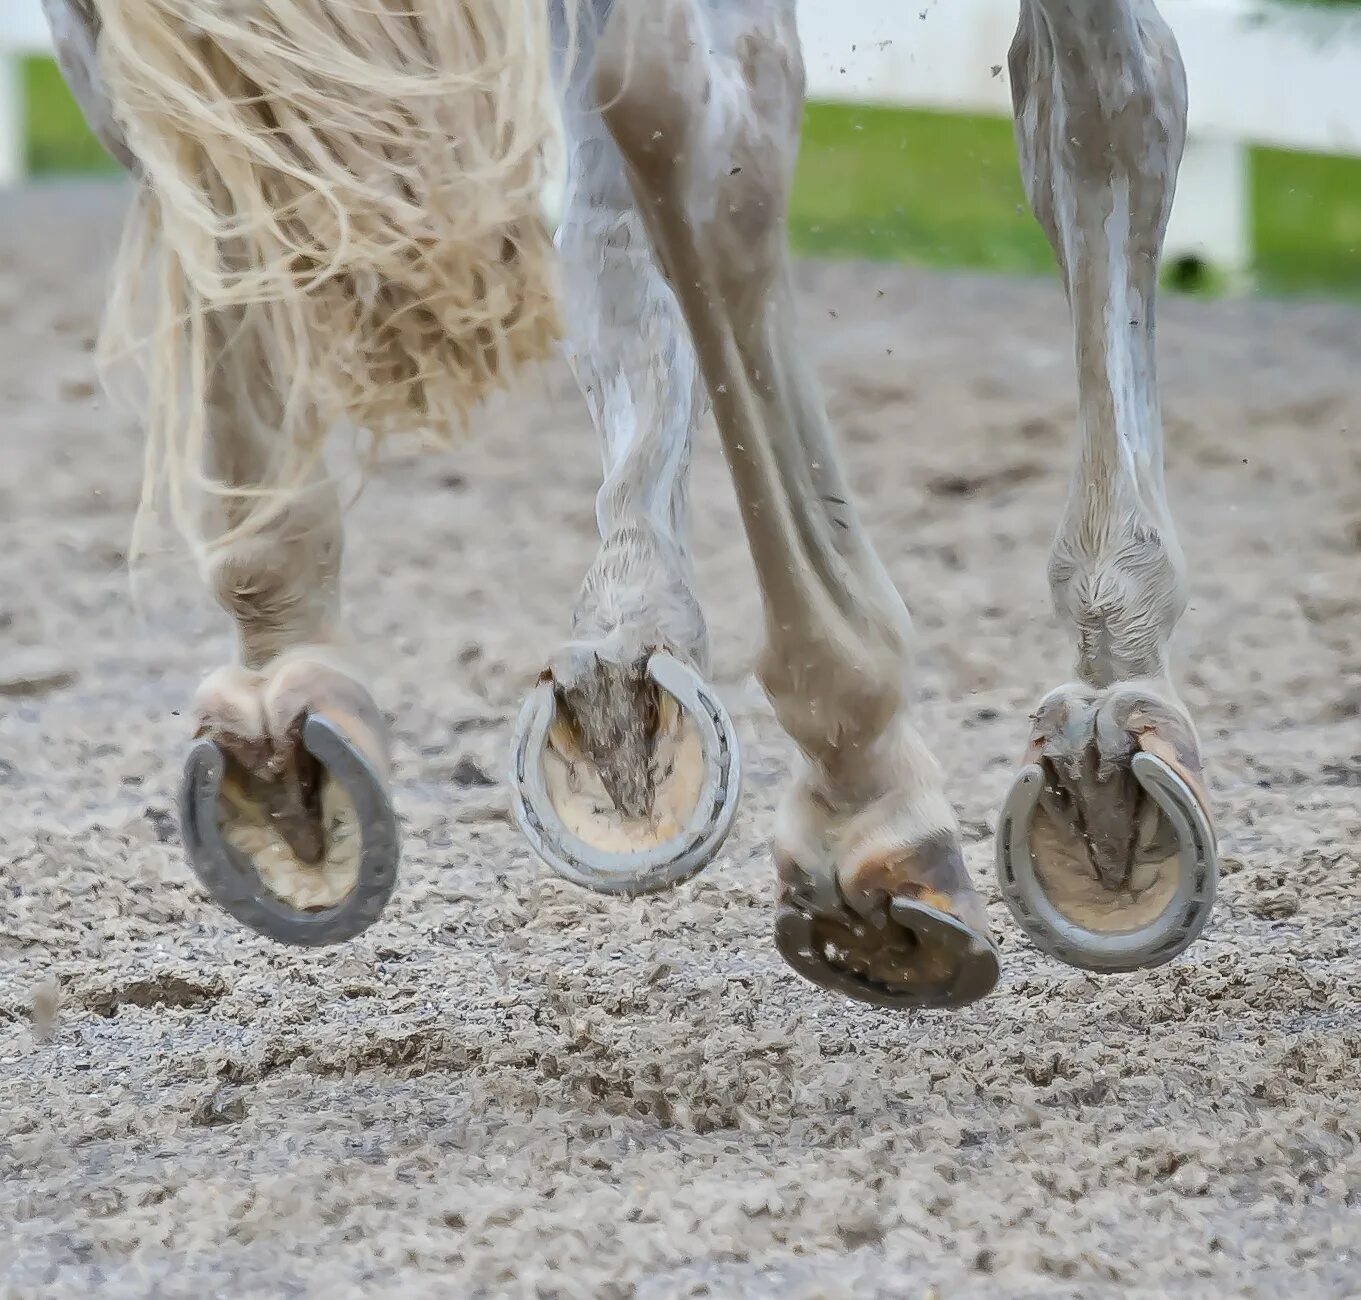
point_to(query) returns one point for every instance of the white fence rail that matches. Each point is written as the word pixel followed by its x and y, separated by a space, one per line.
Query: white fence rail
pixel 1259 74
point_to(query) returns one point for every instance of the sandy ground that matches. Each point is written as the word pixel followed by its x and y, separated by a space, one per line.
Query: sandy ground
pixel 510 1087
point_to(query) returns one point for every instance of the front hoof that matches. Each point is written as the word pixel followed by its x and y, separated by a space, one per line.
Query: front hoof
pixel 1105 852
pixel 237 862
pixel 575 828
pixel 905 944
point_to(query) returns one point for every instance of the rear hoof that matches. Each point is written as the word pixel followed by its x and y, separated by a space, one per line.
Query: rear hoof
pixel 958 966
pixel 232 878
pixel 659 865
pixel 1070 934
pixel 909 955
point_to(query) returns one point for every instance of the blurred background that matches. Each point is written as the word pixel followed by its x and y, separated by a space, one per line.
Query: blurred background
pixel 908 155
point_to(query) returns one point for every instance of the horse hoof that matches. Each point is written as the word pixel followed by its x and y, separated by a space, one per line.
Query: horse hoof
pixel 1063 935
pixel 657 866
pixel 232 880
pixel 945 964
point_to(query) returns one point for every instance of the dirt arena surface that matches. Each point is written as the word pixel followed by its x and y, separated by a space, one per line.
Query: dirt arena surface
pixel 509 1087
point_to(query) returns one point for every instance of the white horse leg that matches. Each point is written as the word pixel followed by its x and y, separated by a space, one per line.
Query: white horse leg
pixel 704 100
pixel 1119 842
pixel 290 830
pixel 630 350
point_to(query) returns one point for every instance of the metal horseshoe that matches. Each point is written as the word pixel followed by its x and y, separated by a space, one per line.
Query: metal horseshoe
pixel 231 879
pixel 1167 935
pixel 644 871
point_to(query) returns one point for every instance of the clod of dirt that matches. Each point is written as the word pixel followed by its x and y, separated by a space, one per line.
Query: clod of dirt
pixel 77 390
pixel 225 1105
pixel 36 679
pixel 964 485
pixel 469 775
pixel 159 991
pixel 1344 773
pixel 163 822
pixel 1276 905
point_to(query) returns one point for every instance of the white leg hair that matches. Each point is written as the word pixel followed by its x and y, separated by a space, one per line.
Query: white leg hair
pixel 1100 125
pixel 627 341
pixel 1100 97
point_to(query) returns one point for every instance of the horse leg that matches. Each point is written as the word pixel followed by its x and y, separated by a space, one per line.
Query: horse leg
pixel 704 100
pixel 286 815
pixel 623 762
pixel 1105 850
pixel 286 812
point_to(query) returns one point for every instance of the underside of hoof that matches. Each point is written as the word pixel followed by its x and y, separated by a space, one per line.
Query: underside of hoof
pixel 915 957
pixel 571 822
pixel 250 876
pixel 1067 911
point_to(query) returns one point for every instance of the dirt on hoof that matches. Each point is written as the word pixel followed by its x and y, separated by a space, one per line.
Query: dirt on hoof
pixel 511 1087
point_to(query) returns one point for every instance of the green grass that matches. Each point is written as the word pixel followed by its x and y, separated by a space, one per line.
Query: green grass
pixel 944 190
pixel 1307 222
pixel 922 187
pixel 881 183
pixel 58 140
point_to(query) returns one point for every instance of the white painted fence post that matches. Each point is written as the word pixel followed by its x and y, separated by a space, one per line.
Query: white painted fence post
pixel 1211 221
pixel 1210 225
pixel 23 30
pixel 11 118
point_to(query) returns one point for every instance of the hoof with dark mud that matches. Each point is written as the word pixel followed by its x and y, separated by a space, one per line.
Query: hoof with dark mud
pixel 887 934
pixel 954 965
pixel 571 822
pixel 1105 852
pixel 250 875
